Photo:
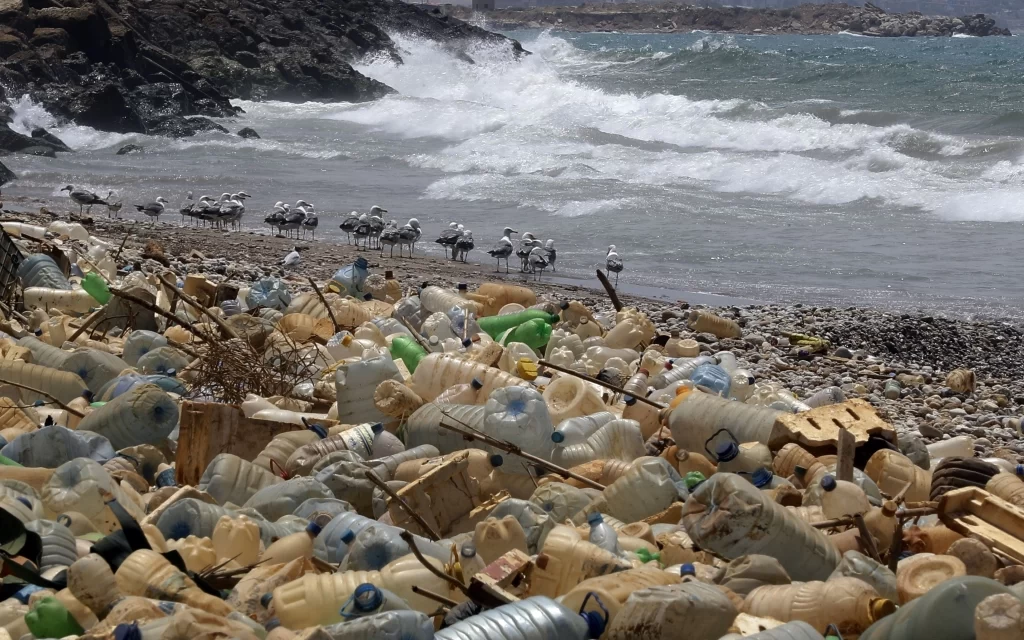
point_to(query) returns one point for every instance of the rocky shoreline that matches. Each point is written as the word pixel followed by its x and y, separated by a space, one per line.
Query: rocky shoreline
pixel 867 347
pixel 868 20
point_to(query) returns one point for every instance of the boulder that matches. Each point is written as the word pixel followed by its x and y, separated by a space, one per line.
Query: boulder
pixel 41 134
pixel 248 132
pixel 6 175
pixel 87 30
pixel 129 149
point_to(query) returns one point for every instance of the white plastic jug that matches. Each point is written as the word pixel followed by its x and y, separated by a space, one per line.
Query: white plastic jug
pixel 355 384
pixel 618 440
pixel 536 618
pixel 80 485
pixel 570 397
pixel 144 415
pixel 229 478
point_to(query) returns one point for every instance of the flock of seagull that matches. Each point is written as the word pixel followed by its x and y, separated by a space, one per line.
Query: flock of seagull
pixel 368 230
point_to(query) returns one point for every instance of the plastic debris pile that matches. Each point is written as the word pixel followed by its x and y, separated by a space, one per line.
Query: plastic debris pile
pixel 182 459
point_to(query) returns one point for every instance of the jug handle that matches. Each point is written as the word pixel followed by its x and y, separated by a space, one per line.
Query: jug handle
pixel 281 472
pixel 315 428
pixel 831 631
pixel 600 605
pixel 715 435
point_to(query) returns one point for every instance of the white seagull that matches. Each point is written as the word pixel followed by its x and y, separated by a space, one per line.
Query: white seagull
pixel 83 197
pixel 614 263
pixel 153 209
pixel 292 259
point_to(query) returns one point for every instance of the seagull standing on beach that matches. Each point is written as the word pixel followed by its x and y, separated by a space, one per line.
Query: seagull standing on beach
pixel 292 259
pixel 276 217
pixel 349 224
pixel 503 249
pixel 408 235
pixel 185 209
pixel 362 230
pixel 113 208
pixel 153 209
pixel 232 209
pixel 463 245
pixel 389 236
pixel 83 198
pixel 537 260
pixel 449 237
pixel 293 220
pixel 614 263
pixel 526 245
pixel 310 222
pixel 550 254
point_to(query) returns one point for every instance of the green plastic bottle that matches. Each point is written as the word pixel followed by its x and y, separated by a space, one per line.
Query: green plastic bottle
pixel 96 287
pixel 533 333
pixel 408 350
pixel 50 619
pixel 7 462
pixel 494 326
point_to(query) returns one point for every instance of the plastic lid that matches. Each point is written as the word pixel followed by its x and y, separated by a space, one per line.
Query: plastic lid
pixel 466 343
pixel 348 536
pixel 346 339
pixel 595 518
pixel 629 400
pixel 558 437
pixel 687 569
pixel 166 478
pixel 563 305
pixel 693 479
pixel 476 384
pixel 761 477
pixel 881 607
pixel 497 460
pixel 468 550
pixel 828 483
pixel 377 428
pixel 668 365
pixel 313 529
pixel 171 372
pixel 542 561
pixel 367 296
pixel 265 600
pixel 272 624
pixel 25 501
pixel 726 451
pixel 1020 469
pixel 367 597
pixel 595 623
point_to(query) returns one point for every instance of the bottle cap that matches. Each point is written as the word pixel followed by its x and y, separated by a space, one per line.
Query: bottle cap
pixel 467 343
pixel 367 597
pixel 595 518
pixel 468 550
pixel 558 437
pixel 377 428
pixel 669 364
pixel 170 373
pixel 693 479
pixel 25 501
pixel 367 296
pixel 542 561
pixel 313 529
pixel 265 600
pixel 476 384
pixel 629 400
pixel 346 340
pixel 563 305
pixel 497 460
pixel 595 623
pixel 687 569
pixel 726 451
pixel 1020 469
pixel 348 536
pixel 272 624
pixel 761 477
pixel 361 262
pixel 881 607
pixel 828 483
pixel 166 478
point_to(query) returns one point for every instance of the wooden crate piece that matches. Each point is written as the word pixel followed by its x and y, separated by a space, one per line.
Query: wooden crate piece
pixel 441 497
pixel 820 427
pixel 975 513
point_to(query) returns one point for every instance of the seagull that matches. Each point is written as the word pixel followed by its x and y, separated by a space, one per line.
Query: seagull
pixel 537 260
pixel 208 210
pixel 376 226
pixel 349 224
pixel 614 263
pixel 549 253
pixel 448 237
pixel 526 245
pixel 292 259
pixel 362 230
pixel 408 235
pixel 153 209
pixel 231 210
pixel 389 236
pixel 113 208
pixel 503 249
pixel 463 245
pixel 310 222
pixel 185 209
pixel 275 219
pixel 293 220
pixel 82 198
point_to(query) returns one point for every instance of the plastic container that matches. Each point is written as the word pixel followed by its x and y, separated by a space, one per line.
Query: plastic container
pixel 147 573
pixel 1007 486
pixel 368 441
pixel 560 500
pixel 229 478
pixel 536 618
pixel 842 498
pixel 494 326
pixel 292 547
pixel 661 612
pixel 373 548
pixel 463 393
pixel 59 548
pixel 959 447
pixel 797 630
pixel 48 618
pixel 39 270
pixel 733 457
pixel 316 599
pixel 631 329
pixel 918 574
pixel 60 384
pixel 825 397
pixel 700 415
pixel 492 296
pixel 849 603
pixel 190 517
pixel 647 487
pixel 946 611
pixel 570 397
pixel 520 416
pixel 279 500
pixel 237 539
pixel 999 617
pixel 389 625
pixel 891 471
pixel 43 354
pixel 438 300
pixel 533 333
pixel 139 343
pixel 567 560
pixel 857 565
pixel 706 322
pixel 613 590
pixel 602 534
pixel 493 537
pixel 408 351
pixel 439 371
pixel 422 427
pixel 330 546
pixel 96 368
pixel 80 485
pixel 713 377
pixel 729 516
pixel 618 439
pixel 386 466
pixel 355 384
pixel 144 415
pixel 72 302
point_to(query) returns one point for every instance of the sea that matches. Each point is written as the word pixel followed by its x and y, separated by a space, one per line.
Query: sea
pixel 834 170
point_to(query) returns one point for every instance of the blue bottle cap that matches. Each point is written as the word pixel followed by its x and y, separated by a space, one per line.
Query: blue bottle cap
pixel 468 550
pixel 761 477
pixel 467 343
pixel 272 624
pixel 348 536
pixel 23 594
pixel 265 600
pixel 476 384
pixel 497 460
pixel 595 623
pixel 828 483
pixel 557 436
pixel 1020 469
pixel 25 501
pixel 166 478
pixel 313 529
pixel 367 597
pixel 377 428
pixel 595 518
pixel 687 569
pixel 727 451
pixel 629 400
pixel 361 262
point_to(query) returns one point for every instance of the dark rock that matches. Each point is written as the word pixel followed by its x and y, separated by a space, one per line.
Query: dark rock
pixel 248 132
pixel 6 175
pixel 129 149
pixel 102 106
pixel 45 152
pixel 13 142
pixel 178 127
pixel 53 141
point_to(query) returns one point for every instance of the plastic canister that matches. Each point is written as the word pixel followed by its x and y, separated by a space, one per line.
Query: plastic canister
pixel 616 439
pixel 40 270
pixel 229 478
pixel 60 384
pixel 570 397
pixel 849 603
pixel 533 618
pixel 355 383
pixel 81 485
pixel 700 415
pixel 613 590
pixel 237 539
pixel 566 560
pixel 147 573
pixel 439 371
pixel 857 565
pixel 495 537
pixel 388 625
pixel 918 574
pixel 842 498
pixel 999 617
pixel 95 367
pixel 144 415
pixel 1007 486
pixel 662 612
pixel 707 322
pixel 891 471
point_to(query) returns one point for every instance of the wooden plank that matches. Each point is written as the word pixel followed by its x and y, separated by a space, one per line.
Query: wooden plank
pixel 975 513
pixel 210 428
pixel 847 449
pixel 820 427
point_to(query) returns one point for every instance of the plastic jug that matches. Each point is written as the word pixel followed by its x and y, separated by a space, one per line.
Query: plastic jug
pixel 60 384
pixel 857 565
pixel 95 367
pixel 1007 486
pixel 960 447
pixel 632 328
pixel 439 371
pixel 842 498
pixel 712 377
pixel 796 630
pixel 330 546
pixel 292 547
pixel 576 430
pixel 281 499
pixel 495 326
pixel 918 574
pixel 891 471
pixel 700 415
pixel 80 485
pixel 647 487
pixel 59 548
pixel 50 446
pixel 408 351
pixel 147 573
pixel 560 500
pixel 533 333
pixel 566 560
pixel 349 280
pixel 373 548
pixel 355 383
pixel 462 393
pixel 368 441
pixel 661 612
pixel 849 603
pixel 40 270
pixel 48 618
pixel 570 397
pixel 729 516
pixel 229 478
pixel 617 439
pixel 144 415
pixel 389 625
pixel 703 321
pixel 494 537
pixel 423 426
pixel 946 611
pixel 438 300
pixel 316 599
pixel 237 539
pixel 613 590
pixel 999 617
pixel 733 457
pixel 536 618
pixel 881 522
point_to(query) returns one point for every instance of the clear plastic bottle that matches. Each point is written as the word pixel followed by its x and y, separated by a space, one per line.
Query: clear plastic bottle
pixel 470 561
pixel 602 534
pixel 349 279
pixel 636 386
pixel 680 369
pixel 616 439
pixel 436 299
pixel 713 377
pixel 533 618
pixel 292 547
pixel 576 430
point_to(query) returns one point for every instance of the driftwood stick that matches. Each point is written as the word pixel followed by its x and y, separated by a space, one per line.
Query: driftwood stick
pixel 383 486
pixel 88 322
pixel 225 329
pixel 146 304
pixel 610 290
pixel 330 312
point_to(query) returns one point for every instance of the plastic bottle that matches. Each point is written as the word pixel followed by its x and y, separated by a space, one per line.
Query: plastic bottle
pixel 492 296
pixel 1007 486
pixel 330 547
pixel 566 560
pixel 62 385
pixel 602 535
pixel 612 591
pixel 316 599
pixel 946 611
pixel 570 397
pixel 280 500
pixel 494 537
pixel 96 286
pixel 229 478
pixel 59 548
pixel 463 393
pixel 918 574
pixel 439 371
pixel 960 447
pixel 355 383
pixel 999 617
pixel 588 329
pixel 576 430
pixel 734 457
pixel 891 471
pixel 392 288
pixel 422 427
pixel 386 466
pixel 389 625
pixel 520 416
pixel 857 565
pixel 849 603
pixel 40 270
pixel 842 498
pixel 438 300
pixel 631 329
pixel 741 385
pixel 776 397
pixel 77 301
pixel 533 333
pixel 729 516
pixel 825 397
pixel 765 480
pixel 48 618
pixel 288 548
pixel 95 367
pixel 349 279
pixel 144 415
pixel 680 369
pixel 494 326
pixel 535 618
pixel 147 573
pixel 237 539
pixel 647 487
pixel 368 600
pixel 881 522
pixel 617 439
pixel 706 322
pixel 81 485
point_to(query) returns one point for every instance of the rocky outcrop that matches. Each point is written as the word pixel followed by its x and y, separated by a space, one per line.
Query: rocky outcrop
pixel 677 18
pixel 165 67
pixel 6 175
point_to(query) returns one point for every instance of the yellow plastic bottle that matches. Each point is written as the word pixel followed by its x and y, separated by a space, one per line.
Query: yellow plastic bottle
pixel 292 547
